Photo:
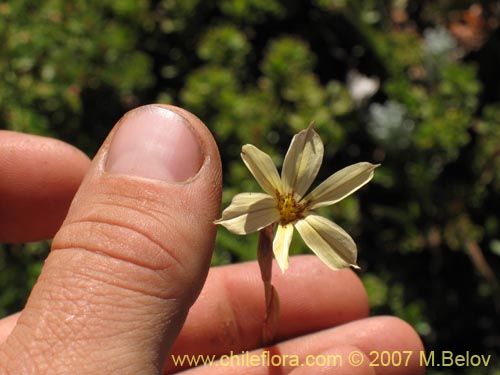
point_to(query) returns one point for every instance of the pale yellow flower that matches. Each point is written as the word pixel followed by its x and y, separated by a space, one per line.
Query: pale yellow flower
pixel 285 203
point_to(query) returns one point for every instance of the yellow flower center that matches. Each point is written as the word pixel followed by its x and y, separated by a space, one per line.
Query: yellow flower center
pixel 289 209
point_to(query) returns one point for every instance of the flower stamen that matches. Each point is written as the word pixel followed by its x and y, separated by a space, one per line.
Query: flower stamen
pixel 288 208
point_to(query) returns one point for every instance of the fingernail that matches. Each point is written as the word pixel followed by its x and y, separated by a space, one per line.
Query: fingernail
pixel 156 143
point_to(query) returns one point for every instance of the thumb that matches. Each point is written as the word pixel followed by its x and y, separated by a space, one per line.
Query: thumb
pixel 131 256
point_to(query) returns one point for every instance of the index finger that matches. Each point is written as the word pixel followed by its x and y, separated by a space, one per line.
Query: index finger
pixel 39 177
pixel 229 313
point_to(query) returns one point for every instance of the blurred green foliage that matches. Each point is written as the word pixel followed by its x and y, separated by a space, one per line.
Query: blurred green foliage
pixel 56 54
pixel 392 82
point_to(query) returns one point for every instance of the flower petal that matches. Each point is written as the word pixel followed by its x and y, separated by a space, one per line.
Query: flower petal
pixel 341 184
pixel 263 169
pixel 249 212
pixel 302 162
pixel 281 245
pixel 328 241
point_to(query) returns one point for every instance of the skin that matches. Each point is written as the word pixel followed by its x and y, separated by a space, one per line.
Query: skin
pixel 107 305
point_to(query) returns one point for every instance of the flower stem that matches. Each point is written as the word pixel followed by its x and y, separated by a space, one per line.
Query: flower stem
pixel 265 258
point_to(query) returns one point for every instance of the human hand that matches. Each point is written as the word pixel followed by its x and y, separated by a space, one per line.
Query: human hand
pixel 132 255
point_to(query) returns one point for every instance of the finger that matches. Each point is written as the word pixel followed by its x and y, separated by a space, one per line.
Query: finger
pixel 39 177
pixel 7 325
pixel 233 297
pixel 229 313
pixel 370 336
pixel 130 257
